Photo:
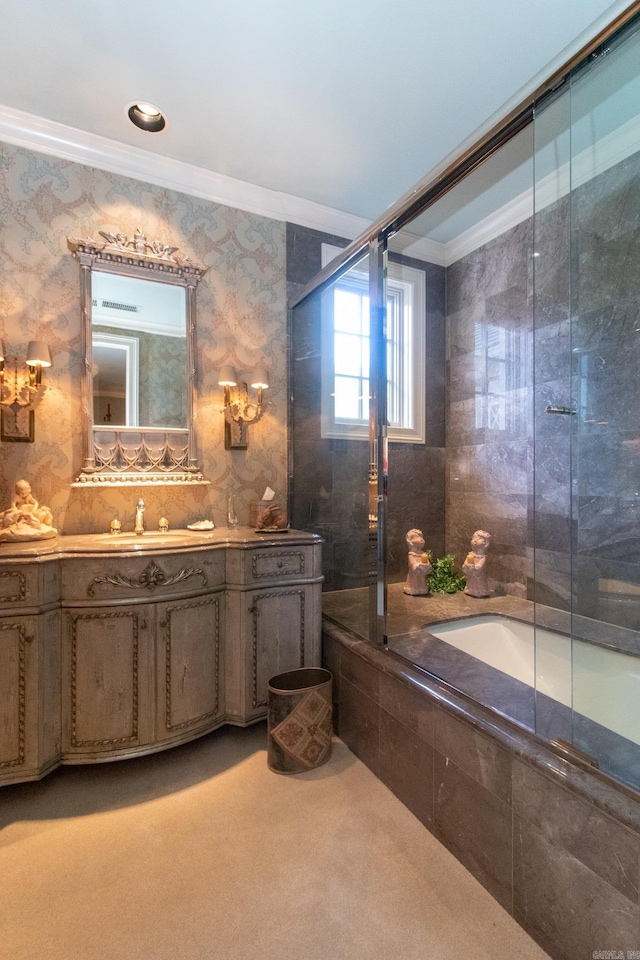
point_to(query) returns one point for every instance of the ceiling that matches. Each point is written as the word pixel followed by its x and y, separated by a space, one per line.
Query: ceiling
pixel 345 103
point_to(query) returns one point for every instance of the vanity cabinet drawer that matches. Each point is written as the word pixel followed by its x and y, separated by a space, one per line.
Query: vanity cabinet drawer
pixel 29 585
pixel 272 565
pixel 141 577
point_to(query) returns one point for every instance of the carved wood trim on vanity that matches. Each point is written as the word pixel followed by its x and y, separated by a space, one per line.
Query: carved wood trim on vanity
pixel 151 577
pixel 139 647
pixel 23 639
pixel 283 570
pixel 113 741
pixel 22 588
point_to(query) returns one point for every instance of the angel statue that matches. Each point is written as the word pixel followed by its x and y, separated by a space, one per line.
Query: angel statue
pixel 418 564
pixel 26 519
pixel 474 567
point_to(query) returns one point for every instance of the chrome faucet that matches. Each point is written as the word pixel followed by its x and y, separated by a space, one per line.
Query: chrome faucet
pixel 139 527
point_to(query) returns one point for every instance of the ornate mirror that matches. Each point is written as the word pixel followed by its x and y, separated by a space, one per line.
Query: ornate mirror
pixel 138 386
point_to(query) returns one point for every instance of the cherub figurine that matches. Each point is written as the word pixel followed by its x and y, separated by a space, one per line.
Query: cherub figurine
pixel 26 519
pixel 474 566
pixel 419 566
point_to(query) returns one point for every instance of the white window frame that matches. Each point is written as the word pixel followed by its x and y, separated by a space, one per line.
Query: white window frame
pixel 406 288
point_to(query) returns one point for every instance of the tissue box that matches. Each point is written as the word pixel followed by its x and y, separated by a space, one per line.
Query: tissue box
pixel 266 515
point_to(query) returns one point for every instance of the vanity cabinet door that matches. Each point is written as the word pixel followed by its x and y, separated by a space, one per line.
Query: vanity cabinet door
pixel 18 697
pixel 106 670
pixel 282 632
pixel 188 666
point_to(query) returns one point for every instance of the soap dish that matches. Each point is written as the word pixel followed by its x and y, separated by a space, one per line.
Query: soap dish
pixel 201 525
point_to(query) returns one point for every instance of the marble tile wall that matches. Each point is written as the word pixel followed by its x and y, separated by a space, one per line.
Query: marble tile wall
pixel 585 506
pixel 489 408
pixel 417 471
pixel 522 332
pixel 605 291
pixel 558 848
pixel 568 321
pixel 241 304
pixel 329 481
pixel 550 507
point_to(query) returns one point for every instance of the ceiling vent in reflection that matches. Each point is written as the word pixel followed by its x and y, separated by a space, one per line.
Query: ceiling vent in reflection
pixel 113 305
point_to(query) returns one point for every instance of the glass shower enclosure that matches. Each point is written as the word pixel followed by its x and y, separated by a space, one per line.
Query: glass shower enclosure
pixel 473 364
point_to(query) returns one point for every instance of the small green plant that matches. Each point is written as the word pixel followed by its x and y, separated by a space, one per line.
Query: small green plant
pixel 443 577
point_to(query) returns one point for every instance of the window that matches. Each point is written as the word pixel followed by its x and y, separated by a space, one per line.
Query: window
pixel 345 353
pixel 500 361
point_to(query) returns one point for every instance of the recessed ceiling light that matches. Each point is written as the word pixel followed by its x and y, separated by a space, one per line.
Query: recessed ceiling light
pixel 146 116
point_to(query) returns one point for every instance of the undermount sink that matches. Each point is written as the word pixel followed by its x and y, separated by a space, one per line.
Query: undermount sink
pixel 154 536
pixel 138 542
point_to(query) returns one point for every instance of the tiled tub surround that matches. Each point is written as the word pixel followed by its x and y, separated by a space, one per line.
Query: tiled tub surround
pixel 589 703
pixel 557 845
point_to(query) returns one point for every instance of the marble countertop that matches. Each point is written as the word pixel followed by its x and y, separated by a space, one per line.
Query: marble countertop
pixel 410 617
pixel 152 541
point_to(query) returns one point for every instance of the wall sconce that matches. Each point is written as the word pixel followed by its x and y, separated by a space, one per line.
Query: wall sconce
pixel 20 391
pixel 239 412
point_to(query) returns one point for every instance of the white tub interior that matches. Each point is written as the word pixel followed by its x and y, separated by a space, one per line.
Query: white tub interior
pixel 601 684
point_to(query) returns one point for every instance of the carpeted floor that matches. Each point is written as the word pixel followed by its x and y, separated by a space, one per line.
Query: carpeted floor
pixel 202 852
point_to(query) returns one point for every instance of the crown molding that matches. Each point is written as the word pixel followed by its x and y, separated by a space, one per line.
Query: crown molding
pixel 601 156
pixel 612 149
pixel 497 223
pixel 68 143
pixel 422 248
pixel 26 130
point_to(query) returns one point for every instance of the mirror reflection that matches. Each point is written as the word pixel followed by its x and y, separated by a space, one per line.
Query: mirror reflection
pixel 139 347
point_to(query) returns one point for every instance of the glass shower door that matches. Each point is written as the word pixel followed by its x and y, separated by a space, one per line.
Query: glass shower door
pixel 329 486
pixel 605 370
pixel 553 419
pixel 586 516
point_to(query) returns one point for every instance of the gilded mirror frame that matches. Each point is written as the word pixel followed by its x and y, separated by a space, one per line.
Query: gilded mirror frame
pixel 117 456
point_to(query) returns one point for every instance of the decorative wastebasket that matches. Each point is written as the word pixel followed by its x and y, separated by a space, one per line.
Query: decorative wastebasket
pixel 300 712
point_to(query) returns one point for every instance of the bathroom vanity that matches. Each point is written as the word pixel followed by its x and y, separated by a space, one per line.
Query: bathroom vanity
pixel 114 647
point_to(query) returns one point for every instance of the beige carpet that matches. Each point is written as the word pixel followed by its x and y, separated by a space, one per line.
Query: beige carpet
pixel 201 852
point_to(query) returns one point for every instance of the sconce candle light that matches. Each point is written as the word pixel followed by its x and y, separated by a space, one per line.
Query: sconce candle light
pixel 38 356
pixel 20 392
pixel 239 411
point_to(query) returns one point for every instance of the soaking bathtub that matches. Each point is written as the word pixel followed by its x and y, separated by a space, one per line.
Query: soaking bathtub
pixel 562 689
pixel 595 682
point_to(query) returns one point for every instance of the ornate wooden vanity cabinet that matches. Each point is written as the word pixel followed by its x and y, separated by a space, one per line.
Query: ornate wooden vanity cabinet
pixel 111 650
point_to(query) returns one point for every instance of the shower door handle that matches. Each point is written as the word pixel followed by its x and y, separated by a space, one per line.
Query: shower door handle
pixel 565 411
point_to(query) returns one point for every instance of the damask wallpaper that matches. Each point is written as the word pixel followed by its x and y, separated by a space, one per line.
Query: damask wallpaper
pixel 241 305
